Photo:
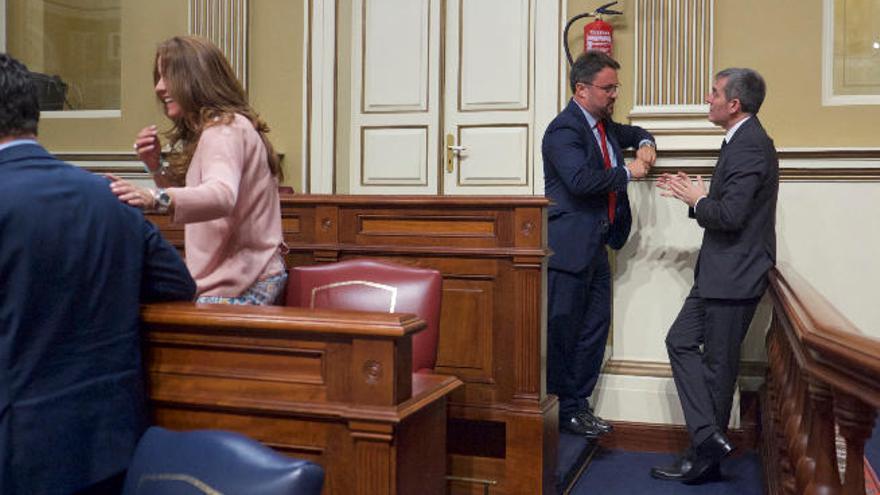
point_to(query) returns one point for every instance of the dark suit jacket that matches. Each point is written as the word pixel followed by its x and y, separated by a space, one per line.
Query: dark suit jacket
pixel 75 263
pixel 739 217
pixel 576 182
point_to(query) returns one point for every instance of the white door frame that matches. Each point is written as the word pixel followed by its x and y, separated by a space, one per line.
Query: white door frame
pixel 318 153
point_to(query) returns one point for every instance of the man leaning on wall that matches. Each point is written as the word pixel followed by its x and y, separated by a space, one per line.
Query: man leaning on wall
pixel 75 264
pixel 586 179
pixel 738 215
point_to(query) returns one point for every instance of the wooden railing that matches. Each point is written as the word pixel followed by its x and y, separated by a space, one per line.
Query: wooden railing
pixel 823 383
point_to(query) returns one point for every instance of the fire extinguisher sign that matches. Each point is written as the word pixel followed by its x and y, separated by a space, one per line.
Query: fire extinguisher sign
pixel 597 36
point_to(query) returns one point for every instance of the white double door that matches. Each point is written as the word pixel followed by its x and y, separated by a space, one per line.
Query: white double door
pixel 451 97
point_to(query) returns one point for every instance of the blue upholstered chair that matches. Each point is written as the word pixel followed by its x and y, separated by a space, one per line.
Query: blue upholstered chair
pixel 215 462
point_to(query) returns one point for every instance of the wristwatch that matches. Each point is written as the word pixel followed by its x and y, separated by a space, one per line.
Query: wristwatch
pixel 162 200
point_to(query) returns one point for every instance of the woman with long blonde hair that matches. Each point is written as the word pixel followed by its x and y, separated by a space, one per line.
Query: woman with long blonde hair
pixel 220 179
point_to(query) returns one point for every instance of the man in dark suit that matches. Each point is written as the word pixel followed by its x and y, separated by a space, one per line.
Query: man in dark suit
pixel 75 264
pixel 739 248
pixel 585 178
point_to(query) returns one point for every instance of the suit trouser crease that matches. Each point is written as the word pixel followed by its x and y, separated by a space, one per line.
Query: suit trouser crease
pixel 705 377
pixel 579 315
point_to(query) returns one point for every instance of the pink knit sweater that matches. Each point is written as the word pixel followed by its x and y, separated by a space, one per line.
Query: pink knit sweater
pixel 231 210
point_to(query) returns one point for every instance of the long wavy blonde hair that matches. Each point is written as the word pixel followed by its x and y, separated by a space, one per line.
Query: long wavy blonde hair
pixel 202 82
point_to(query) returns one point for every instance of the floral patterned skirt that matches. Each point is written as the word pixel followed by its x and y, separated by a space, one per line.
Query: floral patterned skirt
pixel 263 292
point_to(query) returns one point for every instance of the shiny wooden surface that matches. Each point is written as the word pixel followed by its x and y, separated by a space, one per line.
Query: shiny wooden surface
pixel 334 387
pixel 492 254
pixel 823 377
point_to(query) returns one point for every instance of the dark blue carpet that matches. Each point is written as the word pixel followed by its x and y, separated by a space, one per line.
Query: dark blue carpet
pixel 573 452
pixel 872 448
pixel 615 472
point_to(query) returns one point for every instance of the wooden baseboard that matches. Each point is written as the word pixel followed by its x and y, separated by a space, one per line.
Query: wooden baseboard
pixel 649 437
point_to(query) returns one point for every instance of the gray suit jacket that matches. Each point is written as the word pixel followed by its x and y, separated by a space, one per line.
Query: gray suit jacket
pixel 739 217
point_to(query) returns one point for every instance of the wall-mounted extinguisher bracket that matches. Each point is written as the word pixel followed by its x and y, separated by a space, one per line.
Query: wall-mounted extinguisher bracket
pixel 598 35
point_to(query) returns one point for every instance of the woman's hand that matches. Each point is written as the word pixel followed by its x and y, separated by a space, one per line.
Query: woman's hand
pixel 148 147
pixel 139 197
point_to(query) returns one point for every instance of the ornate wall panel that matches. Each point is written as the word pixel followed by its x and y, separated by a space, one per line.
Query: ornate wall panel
pixel 673 71
pixel 225 23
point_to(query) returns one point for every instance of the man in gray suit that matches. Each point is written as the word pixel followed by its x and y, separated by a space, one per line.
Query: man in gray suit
pixel 738 250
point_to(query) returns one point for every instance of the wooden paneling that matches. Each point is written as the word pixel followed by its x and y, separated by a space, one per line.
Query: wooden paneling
pixel 491 252
pixel 333 388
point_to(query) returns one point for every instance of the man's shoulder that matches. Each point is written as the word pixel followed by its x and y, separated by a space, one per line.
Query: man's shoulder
pixel 751 135
pixel 566 119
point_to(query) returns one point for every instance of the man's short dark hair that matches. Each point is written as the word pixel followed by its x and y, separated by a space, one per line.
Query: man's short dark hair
pixel 19 107
pixel 745 85
pixel 587 65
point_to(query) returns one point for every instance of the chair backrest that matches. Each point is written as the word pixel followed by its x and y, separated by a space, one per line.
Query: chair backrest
pixel 213 462
pixel 370 285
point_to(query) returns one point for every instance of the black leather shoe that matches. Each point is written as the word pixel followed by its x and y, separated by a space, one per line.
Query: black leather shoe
pixel 602 425
pixel 578 426
pixel 716 447
pixel 707 458
pixel 679 470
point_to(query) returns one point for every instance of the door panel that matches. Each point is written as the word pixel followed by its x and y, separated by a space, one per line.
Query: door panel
pixel 394 93
pixel 495 155
pixel 477 131
pixel 396 55
pixel 489 46
pixel 395 156
pixel 493 70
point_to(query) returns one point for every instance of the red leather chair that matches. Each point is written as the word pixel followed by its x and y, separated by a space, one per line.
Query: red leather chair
pixel 369 285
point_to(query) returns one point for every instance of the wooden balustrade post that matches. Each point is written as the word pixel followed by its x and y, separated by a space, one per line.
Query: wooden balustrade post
pixel 796 433
pixel 790 422
pixel 856 421
pixel 819 467
pixel 812 350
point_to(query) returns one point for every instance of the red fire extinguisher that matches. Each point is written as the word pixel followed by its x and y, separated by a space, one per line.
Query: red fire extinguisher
pixel 598 35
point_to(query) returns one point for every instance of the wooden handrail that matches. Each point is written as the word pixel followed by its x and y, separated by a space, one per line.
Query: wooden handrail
pixel 822 391
pixel 282 319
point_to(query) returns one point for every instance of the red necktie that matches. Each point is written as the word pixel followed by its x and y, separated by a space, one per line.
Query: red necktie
pixel 612 196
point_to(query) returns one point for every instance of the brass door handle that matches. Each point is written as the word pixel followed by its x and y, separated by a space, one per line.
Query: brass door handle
pixel 451 151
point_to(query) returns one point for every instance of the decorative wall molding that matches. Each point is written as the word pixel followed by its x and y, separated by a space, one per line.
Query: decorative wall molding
pixel 661 369
pixel 795 164
pixel 3 26
pixel 320 162
pixel 829 98
pixel 225 22
pixel 674 66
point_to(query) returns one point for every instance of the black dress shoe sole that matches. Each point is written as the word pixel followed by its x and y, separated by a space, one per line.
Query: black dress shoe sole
pixel 580 433
pixel 711 474
pixel 661 475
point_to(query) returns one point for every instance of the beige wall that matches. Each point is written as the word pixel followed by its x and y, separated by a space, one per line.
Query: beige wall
pixel 784 47
pixel 144 24
pixel 276 77
pixel 275 80
pixel 783 41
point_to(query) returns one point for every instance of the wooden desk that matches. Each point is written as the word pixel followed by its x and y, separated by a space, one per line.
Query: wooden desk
pixel 333 387
pixel 492 254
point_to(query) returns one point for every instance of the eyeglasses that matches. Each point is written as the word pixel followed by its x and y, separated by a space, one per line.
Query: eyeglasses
pixel 609 89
